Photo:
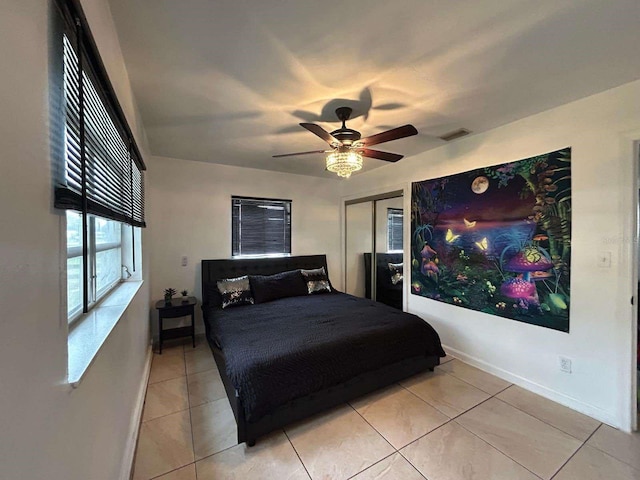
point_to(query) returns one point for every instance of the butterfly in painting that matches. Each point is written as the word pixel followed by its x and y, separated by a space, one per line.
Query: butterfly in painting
pixel 450 237
pixel 532 254
pixel 483 244
pixel 469 224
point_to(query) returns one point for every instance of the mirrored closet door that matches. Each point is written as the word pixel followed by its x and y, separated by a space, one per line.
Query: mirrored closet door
pixel 374 243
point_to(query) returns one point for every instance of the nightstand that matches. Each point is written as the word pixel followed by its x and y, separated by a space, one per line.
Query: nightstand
pixel 177 308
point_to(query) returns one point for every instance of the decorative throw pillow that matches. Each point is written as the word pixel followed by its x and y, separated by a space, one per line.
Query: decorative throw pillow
pixel 235 291
pixel 396 272
pixel 280 285
pixel 317 280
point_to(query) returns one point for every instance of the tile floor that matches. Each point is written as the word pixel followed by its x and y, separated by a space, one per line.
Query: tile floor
pixel 455 423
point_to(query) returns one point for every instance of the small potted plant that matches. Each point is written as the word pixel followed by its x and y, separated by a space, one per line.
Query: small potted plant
pixel 168 295
pixel 185 298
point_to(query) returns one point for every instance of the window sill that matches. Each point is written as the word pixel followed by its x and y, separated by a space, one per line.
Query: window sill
pixel 92 330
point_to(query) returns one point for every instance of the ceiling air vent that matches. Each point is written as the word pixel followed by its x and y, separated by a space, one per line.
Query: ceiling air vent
pixel 461 132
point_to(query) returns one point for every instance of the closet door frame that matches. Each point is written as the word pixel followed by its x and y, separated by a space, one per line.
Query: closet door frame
pixel 373 198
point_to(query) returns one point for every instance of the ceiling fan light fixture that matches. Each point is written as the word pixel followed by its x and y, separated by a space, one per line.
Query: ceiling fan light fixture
pixel 344 162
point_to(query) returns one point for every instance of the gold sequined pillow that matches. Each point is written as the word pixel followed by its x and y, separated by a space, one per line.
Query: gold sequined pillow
pixel 317 280
pixel 235 291
pixel 396 272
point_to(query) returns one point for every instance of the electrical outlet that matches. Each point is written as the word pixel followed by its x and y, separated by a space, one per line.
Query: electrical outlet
pixel 565 364
pixel 185 260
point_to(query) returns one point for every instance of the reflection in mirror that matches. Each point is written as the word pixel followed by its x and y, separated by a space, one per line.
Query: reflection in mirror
pixel 388 276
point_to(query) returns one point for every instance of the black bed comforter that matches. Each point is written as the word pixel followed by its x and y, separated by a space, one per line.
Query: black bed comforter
pixel 285 349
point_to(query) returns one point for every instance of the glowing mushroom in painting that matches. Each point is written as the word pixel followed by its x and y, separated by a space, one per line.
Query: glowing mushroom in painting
pixel 528 260
pixel 531 265
pixel 429 267
pixel 519 289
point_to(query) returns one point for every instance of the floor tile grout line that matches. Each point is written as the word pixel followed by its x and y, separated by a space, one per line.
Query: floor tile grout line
pixel 166 380
pixel 203 371
pixel 166 415
pixel 607 453
pixel 475 386
pixel 419 438
pixel 374 428
pixel 610 456
pixel 518 408
pixel 526 413
pixel 193 443
pixel 373 464
pixel 422 436
pixel 440 411
pixel 545 422
pixel 216 453
pixel 463 381
pixel 423 400
pixel 574 453
pixel 497 449
pixel 396 450
pixel 149 382
pixel 195 461
pixel 482 439
pixel 550 424
pixel 171 471
pixel 296 452
pixel 494 447
pixel 162 416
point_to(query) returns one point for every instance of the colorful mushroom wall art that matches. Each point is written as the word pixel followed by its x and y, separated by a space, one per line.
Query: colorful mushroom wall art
pixel 497 239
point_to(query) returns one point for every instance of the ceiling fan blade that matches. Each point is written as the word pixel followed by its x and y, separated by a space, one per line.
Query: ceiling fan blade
pixel 386 156
pixel 321 132
pixel 393 134
pixel 299 153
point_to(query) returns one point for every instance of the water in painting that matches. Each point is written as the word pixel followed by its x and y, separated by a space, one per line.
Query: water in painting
pixel 497 239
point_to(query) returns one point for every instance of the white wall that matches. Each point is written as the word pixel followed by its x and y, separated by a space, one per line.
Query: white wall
pixel 49 430
pixel 601 130
pixel 189 211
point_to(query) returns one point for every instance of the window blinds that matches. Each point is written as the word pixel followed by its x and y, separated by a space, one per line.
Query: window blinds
pixel 102 165
pixel 394 229
pixel 260 226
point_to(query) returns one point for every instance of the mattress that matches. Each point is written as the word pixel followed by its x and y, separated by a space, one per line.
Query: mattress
pixel 278 351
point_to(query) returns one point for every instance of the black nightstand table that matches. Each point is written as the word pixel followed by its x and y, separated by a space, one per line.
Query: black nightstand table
pixel 177 308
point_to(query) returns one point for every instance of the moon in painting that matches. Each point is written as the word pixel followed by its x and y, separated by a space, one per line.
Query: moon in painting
pixel 480 185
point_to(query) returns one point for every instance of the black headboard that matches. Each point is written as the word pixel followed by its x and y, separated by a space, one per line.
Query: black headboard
pixel 214 270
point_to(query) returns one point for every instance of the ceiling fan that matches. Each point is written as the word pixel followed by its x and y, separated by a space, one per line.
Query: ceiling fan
pixel 347 146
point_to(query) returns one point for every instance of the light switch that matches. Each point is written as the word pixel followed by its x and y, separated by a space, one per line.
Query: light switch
pixel 185 260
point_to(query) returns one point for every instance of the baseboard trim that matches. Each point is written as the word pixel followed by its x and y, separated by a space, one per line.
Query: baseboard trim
pixel 136 417
pixel 558 397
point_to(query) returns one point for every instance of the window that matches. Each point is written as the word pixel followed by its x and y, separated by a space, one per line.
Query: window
pixel 394 230
pixel 99 170
pixel 260 226
pixel 104 257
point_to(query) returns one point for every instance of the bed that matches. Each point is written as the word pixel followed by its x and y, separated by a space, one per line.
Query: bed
pixel 289 358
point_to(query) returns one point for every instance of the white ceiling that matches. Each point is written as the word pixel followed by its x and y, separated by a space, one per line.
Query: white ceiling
pixel 228 81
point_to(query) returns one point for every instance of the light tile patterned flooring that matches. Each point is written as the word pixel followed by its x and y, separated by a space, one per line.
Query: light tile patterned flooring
pixel 455 423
